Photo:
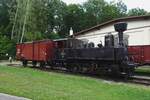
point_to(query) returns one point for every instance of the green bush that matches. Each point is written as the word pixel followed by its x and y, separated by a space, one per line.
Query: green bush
pixel 7 46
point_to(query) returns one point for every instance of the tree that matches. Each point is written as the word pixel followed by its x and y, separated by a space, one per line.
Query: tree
pixel 38 16
pixel 56 13
pixel 5 27
pixel 96 8
pixel 137 12
pixel 18 17
pixel 31 18
pixel 88 20
pixel 6 46
pixel 73 18
pixel 104 11
pixel 52 35
pixel 121 8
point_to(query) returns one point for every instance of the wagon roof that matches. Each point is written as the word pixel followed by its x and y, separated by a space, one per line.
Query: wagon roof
pixel 35 41
pixel 63 39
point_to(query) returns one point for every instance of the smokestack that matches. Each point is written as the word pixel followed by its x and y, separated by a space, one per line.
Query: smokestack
pixel 120 28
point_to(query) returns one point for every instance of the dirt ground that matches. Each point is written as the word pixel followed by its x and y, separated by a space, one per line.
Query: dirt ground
pixel 6 62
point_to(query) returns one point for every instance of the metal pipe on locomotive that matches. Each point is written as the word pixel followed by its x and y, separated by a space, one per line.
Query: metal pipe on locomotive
pixel 78 56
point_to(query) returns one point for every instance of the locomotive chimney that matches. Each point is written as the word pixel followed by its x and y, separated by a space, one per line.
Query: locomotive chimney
pixel 120 28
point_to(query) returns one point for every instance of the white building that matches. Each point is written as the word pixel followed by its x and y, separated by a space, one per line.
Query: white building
pixel 138 31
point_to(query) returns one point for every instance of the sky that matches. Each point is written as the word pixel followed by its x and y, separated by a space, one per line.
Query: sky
pixel 145 4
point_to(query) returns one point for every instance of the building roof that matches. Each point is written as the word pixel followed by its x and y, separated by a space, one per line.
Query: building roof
pixel 113 21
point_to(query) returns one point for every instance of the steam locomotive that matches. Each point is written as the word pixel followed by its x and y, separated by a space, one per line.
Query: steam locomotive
pixel 76 55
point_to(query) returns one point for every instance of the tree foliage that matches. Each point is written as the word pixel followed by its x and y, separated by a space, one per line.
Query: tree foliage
pixel 104 11
pixel 56 13
pixel 74 18
pixel 7 46
pixel 5 26
pixel 137 12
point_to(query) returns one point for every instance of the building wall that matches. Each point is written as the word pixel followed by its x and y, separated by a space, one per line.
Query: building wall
pixel 138 31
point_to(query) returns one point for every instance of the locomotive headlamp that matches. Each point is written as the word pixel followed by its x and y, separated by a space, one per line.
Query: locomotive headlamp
pixel 120 28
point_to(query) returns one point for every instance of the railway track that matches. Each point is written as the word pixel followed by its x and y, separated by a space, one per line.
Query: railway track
pixel 142 80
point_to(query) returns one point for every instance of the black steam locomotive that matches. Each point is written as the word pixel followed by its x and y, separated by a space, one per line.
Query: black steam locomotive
pixel 77 56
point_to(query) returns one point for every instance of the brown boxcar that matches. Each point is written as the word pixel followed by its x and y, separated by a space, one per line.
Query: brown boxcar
pixel 39 51
pixel 140 54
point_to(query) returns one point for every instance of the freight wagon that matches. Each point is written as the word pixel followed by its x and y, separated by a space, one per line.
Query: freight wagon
pixel 37 51
pixel 140 54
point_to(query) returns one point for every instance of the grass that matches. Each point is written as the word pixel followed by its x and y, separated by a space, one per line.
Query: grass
pixel 38 85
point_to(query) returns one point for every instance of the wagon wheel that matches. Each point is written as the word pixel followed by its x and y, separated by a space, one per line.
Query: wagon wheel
pixel 24 63
pixel 42 64
pixel 34 63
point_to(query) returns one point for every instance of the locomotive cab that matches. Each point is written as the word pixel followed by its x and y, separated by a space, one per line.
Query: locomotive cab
pixel 68 43
pixel 74 43
pixel 60 43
